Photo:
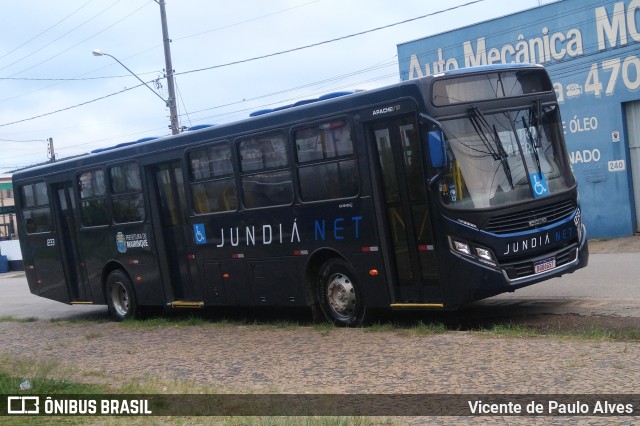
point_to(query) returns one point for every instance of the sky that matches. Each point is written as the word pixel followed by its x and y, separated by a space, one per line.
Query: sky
pixel 229 59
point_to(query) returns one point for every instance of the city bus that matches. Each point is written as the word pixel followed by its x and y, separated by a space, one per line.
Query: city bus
pixel 427 194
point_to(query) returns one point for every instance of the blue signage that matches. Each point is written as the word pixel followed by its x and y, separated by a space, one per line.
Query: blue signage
pixel 538 185
pixel 590 48
pixel 199 234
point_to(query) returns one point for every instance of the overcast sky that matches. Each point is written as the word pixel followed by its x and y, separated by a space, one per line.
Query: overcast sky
pixel 46 63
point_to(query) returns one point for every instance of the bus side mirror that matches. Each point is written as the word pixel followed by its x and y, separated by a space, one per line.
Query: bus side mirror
pixel 437 149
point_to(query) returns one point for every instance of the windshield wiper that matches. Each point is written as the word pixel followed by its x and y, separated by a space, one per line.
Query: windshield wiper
pixel 534 146
pixel 494 147
pixel 535 143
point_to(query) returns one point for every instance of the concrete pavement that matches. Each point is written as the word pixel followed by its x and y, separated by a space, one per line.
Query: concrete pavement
pixel 17 301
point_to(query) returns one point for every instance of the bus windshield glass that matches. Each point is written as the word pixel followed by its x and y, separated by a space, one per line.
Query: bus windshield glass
pixel 481 87
pixel 497 159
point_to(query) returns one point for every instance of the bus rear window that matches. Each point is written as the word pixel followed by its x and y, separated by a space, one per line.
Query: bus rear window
pixel 484 87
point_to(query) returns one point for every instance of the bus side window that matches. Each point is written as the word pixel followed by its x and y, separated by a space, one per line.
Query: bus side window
pixel 93 205
pixel 126 189
pixel 213 186
pixel 326 163
pixel 36 212
pixel 266 176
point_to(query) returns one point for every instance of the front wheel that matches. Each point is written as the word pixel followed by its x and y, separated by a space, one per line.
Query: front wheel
pixel 120 296
pixel 338 293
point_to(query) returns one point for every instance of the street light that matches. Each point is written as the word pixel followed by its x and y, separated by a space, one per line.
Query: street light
pixel 170 103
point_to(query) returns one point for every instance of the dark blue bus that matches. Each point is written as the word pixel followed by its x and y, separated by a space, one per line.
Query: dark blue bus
pixel 427 194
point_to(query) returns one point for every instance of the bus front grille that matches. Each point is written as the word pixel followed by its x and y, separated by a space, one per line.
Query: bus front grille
pixel 525 268
pixel 529 219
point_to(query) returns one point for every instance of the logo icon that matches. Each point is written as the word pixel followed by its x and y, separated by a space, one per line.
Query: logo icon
pixel 121 243
pixel 539 185
pixel 199 234
pixel 23 405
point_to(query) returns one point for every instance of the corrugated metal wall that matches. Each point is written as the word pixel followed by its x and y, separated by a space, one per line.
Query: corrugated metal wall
pixel 633 133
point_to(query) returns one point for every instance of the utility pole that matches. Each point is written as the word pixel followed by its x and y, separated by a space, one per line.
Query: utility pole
pixel 171 102
pixel 52 154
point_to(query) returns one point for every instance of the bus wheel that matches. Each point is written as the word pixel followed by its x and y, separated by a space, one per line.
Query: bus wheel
pixel 338 294
pixel 120 296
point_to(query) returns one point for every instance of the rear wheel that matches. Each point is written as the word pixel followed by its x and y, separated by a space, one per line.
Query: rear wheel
pixel 338 293
pixel 120 296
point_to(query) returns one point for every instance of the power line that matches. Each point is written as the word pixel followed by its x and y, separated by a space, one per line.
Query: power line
pixel 56 39
pixel 22 140
pixel 71 107
pixel 295 49
pixel 244 22
pixel 261 57
pixel 71 78
pixel 43 32
pixel 82 41
pixel 150 72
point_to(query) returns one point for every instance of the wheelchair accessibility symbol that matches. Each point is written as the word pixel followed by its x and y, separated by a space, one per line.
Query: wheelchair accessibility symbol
pixel 539 185
pixel 199 233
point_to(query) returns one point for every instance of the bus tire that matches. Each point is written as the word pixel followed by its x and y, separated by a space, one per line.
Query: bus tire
pixel 338 294
pixel 121 298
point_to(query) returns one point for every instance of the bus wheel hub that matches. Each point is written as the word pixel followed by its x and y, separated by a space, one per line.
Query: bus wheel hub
pixel 341 295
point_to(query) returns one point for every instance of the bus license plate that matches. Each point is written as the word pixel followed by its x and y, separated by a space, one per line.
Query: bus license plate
pixel 544 265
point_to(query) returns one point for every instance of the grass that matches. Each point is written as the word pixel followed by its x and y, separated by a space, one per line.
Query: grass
pixel 512 330
pixel 589 333
pixel 43 377
pixel 9 318
pixel 159 322
pixel 426 329
pixel 420 328
pixel 195 321
pixel 79 321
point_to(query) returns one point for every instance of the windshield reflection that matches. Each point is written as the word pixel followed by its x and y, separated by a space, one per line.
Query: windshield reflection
pixel 504 158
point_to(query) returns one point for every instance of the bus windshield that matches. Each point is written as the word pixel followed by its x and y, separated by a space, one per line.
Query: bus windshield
pixel 497 159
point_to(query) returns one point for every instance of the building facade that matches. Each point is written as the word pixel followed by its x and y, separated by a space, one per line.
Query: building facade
pixel 7 215
pixel 591 49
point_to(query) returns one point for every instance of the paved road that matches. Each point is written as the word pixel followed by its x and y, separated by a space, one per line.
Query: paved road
pixel 608 286
pixel 17 301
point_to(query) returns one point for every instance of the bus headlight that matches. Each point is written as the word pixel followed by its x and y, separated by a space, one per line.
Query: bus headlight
pixel 485 254
pixel 461 247
pixel 479 253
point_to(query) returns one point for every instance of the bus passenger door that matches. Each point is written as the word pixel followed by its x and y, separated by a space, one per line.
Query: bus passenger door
pixel 405 208
pixel 72 256
pixel 175 252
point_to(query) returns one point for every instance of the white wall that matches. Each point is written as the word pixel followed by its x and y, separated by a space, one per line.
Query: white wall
pixel 11 249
